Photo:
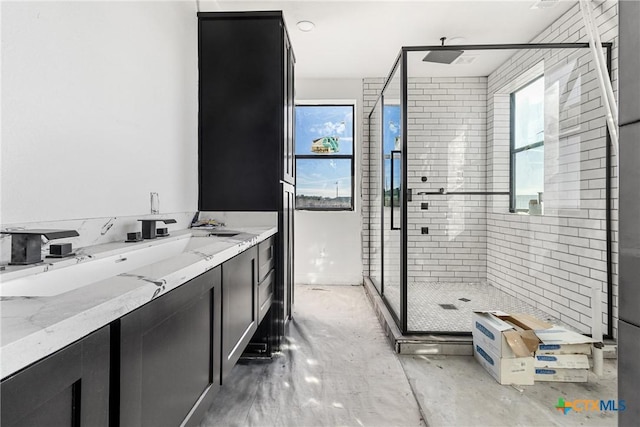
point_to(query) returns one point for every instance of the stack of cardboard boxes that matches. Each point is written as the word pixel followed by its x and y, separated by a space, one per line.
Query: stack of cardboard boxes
pixel 562 356
pixel 520 349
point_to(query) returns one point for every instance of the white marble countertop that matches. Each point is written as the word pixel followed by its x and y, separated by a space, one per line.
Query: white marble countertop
pixel 32 328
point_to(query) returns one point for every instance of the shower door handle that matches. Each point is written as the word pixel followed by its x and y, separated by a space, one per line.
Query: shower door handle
pixel 395 154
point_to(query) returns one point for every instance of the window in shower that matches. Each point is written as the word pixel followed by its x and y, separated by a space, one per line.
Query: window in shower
pixel 527 148
pixel 324 157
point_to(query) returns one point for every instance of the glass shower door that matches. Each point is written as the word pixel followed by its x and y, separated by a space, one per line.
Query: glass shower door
pixel 392 194
pixel 374 208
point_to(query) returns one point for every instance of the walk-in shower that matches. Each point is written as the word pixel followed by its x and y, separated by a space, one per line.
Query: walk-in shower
pixel 489 184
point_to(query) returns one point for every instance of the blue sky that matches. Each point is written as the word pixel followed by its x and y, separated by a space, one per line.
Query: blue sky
pixel 319 178
pixel 314 121
pixel 323 176
pixel 391 130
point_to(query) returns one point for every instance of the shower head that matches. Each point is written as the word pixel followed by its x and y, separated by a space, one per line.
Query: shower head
pixel 442 56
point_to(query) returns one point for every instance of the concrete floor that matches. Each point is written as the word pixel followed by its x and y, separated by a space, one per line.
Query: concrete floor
pixel 457 391
pixel 338 369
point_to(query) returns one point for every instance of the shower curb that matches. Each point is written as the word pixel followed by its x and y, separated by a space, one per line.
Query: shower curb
pixel 451 345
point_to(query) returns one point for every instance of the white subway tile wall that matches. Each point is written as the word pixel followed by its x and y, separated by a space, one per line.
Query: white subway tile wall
pixel 446 133
pixel 551 261
pixel 371 180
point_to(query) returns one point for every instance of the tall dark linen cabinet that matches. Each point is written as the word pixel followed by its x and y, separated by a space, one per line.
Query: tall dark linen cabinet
pixel 246 138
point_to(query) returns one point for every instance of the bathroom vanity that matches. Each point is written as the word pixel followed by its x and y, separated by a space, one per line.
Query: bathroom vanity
pixel 144 333
pixel 150 346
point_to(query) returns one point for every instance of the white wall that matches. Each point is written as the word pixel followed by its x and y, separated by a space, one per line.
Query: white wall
pixel 328 244
pixel 99 103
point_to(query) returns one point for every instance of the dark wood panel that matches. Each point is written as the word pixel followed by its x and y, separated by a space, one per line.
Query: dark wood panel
pixel 629 54
pixel 95 387
pixel 170 354
pixel 58 411
pixel 68 388
pixel 266 257
pixel 282 306
pixel 202 405
pixel 287 251
pixel 175 368
pixel 241 114
pixel 289 172
pixel 290 252
pixel 239 306
pixel 265 295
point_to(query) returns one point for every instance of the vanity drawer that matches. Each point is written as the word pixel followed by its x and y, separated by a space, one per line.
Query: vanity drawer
pixel 265 294
pixel 266 257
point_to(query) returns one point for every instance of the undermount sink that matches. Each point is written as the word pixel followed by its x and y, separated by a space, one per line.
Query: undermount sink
pixel 57 281
pixel 224 233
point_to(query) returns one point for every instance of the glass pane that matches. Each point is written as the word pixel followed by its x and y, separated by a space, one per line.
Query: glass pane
pixel 529 180
pixel 324 129
pixel 575 138
pixel 375 196
pixel 391 234
pixel 529 114
pixel 447 147
pixel 392 157
pixel 323 183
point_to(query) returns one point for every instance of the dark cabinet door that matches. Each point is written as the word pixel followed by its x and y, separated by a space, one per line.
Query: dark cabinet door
pixel 266 257
pixel 170 355
pixel 288 212
pixel 68 388
pixel 242 110
pixel 239 306
pixel 284 289
pixel 289 108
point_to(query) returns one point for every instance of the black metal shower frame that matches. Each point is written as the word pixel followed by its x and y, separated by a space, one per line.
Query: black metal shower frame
pixel 402 320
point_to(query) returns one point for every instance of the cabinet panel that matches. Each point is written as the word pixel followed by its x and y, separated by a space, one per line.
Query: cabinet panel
pixel 241 114
pixel 289 124
pixel 265 295
pixel 628 350
pixel 170 354
pixel 68 388
pixel 266 257
pixel 288 254
pixel 629 55
pixel 176 356
pixel 240 306
pixel 629 230
pixel 58 411
pixel 284 290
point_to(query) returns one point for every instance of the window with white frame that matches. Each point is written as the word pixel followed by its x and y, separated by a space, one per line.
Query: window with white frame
pixel 527 148
pixel 324 157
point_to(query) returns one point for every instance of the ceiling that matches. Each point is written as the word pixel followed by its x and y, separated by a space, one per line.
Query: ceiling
pixel 360 38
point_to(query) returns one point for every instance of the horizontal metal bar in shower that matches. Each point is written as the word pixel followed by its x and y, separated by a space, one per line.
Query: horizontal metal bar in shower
pixel 463 193
pixel 527 46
